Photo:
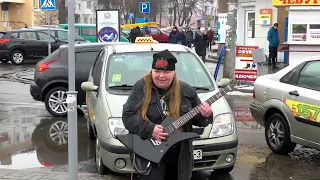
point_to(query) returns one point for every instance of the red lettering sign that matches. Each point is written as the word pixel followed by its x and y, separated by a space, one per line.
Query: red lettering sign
pixel 265 11
pixel 299 2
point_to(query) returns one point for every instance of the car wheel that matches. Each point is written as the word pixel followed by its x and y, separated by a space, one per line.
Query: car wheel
pixel 17 57
pixel 277 135
pixel 4 60
pixel 102 169
pixel 223 170
pixel 57 136
pixel 56 101
pixel 91 134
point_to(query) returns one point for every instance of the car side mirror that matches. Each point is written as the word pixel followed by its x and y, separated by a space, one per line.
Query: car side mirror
pixel 88 86
pixel 223 82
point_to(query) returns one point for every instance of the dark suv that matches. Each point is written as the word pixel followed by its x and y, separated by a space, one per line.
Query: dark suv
pixel 51 76
pixel 23 44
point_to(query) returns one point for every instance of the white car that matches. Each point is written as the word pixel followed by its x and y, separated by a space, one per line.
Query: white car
pixel 110 81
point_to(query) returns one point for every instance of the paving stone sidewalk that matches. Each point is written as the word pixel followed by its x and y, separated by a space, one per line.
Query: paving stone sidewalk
pixel 6 174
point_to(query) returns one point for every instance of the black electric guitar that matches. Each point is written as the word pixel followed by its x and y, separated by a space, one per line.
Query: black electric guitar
pixel 154 150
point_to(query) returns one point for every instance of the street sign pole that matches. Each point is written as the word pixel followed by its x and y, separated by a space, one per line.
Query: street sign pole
pixel 72 98
pixel 49 43
pixel 48 5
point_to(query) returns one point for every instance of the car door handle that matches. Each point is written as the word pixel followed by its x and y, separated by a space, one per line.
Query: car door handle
pixel 294 93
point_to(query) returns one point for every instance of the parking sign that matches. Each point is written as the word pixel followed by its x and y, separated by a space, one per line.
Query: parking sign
pixel 144 7
pixel 131 15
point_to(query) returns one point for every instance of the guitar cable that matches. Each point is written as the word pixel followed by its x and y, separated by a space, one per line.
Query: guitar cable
pixel 134 166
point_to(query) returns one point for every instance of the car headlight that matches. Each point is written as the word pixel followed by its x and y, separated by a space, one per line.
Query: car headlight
pixel 222 126
pixel 116 127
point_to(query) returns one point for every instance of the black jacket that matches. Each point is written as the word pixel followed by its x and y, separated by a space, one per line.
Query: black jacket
pixel 200 42
pixel 134 33
pixel 136 125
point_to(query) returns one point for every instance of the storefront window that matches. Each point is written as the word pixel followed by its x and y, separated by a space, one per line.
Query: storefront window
pixel 299 32
pixel 314 34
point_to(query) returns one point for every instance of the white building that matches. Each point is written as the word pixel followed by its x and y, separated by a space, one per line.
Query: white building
pixel 211 12
pixel 85 11
pixel 250 29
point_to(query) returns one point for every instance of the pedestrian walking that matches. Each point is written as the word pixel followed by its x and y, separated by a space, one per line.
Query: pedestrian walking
pixel 210 38
pixel 189 35
pixel 200 43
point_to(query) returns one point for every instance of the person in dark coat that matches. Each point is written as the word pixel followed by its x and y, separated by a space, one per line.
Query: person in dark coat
pixel 134 33
pixel 181 37
pixel 189 35
pixel 173 35
pixel 200 43
pixel 157 95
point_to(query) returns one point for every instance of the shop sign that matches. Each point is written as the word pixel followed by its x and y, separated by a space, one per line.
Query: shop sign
pixel 299 32
pixel 222 21
pixel 315 36
pixel 265 16
pixel 295 2
pixel 242 113
pixel 245 68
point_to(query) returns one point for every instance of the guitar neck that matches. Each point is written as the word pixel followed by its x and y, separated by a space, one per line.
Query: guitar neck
pixel 195 111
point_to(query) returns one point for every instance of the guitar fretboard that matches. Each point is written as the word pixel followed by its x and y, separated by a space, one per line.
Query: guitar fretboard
pixel 195 111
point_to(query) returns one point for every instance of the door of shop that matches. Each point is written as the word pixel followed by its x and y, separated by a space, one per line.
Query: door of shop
pixel 249 27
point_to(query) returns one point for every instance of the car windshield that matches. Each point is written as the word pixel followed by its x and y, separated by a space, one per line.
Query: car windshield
pixel 125 69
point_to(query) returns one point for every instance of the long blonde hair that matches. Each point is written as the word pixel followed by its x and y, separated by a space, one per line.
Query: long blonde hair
pixel 174 91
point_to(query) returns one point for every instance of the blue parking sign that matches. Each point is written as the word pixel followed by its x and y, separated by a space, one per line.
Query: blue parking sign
pixel 47 5
pixel 131 15
pixel 144 7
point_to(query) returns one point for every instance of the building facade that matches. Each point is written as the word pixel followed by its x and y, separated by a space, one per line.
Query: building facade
pixel 254 20
pixel 16 14
pixel 85 11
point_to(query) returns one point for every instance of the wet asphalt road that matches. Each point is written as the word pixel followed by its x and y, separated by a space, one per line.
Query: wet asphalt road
pixel 25 142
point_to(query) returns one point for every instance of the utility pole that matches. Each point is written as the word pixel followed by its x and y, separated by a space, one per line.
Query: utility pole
pixel 72 98
pixel 231 39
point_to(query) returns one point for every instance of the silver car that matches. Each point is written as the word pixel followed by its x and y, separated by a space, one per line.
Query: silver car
pixel 116 69
pixel 287 103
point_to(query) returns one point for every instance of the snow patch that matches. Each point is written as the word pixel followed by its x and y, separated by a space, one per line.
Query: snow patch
pixel 238 93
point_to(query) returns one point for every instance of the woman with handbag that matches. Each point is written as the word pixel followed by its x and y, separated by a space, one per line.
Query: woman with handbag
pixel 154 97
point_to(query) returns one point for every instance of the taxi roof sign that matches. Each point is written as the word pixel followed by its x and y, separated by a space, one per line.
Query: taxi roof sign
pixel 144 40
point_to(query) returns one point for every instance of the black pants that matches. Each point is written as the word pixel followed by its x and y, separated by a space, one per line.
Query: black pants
pixel 273 54
pixel 189 43
pixel 209 44
pixel 167 169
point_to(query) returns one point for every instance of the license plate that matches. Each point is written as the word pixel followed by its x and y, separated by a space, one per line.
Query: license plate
pixel 197 154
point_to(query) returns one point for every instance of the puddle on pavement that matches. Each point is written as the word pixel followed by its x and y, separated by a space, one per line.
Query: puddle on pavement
pixel 31 141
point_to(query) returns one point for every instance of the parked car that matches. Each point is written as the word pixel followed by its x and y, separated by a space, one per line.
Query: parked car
pixel 24 44
pixel 287 105
pixel 61 34
pixel 110 81
pixel 51 76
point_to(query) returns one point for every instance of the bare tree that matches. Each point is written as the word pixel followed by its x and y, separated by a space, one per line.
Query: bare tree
pixel 63 11
pixel 42 18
